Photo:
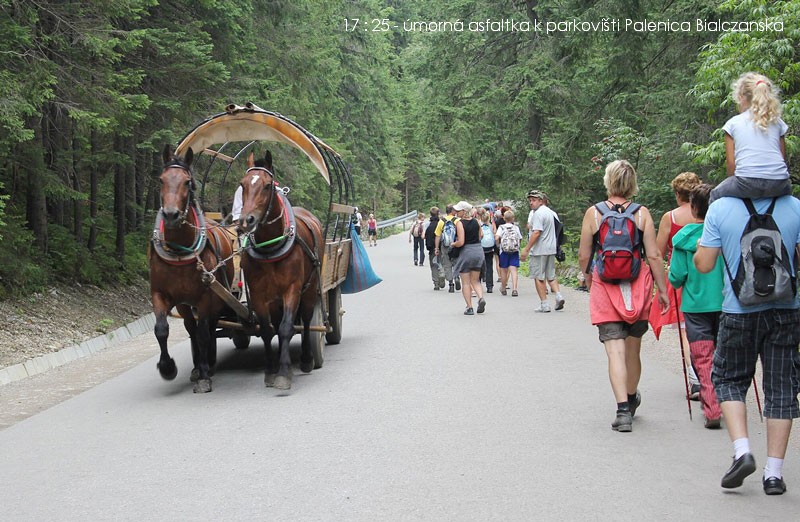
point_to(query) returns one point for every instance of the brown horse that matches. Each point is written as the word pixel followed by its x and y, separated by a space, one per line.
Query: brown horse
pixel 186 247
pixel 281 263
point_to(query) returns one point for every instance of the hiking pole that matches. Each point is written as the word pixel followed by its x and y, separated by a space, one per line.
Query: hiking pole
pixel 758 399
pixel 683 353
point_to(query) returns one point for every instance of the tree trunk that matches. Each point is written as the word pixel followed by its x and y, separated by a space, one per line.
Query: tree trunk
pixel 93 193
pixel 129 168
pixel 119 202
pixel 33 166
pixel 77 208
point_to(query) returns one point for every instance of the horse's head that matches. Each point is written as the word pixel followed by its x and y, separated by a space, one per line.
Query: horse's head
pixel 258 192
pixel 177 187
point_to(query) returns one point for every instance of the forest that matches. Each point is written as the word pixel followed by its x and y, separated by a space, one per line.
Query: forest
pixel 428 101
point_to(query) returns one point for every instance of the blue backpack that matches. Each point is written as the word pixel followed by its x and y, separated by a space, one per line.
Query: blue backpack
pixel 448 233
pixel 487 241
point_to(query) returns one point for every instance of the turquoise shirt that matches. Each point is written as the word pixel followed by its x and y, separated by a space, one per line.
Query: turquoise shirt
pixel 701 292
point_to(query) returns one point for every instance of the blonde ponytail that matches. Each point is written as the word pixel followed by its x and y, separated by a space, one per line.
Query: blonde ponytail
pixel 762 97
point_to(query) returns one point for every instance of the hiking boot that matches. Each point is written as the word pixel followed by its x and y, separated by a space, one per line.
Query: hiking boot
pixel 469 311
pixel 457 281
pixel 624 422
pixel 741 467
pixel 635 403
pixel 559 303
pixel 544 308
pixel 695 393
pixel 451 290
pixel 481 305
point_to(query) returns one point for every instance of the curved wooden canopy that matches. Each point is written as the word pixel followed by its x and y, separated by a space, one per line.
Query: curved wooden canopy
pixel 251 123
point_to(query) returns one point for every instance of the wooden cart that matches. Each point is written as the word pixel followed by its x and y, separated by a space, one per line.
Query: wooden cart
pixel 222 141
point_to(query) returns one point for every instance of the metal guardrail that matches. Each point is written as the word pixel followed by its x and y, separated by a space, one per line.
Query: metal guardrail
pixel 399 219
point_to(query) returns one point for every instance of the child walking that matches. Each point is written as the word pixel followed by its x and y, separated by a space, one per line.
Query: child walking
pixel 755 146
pixel 701 301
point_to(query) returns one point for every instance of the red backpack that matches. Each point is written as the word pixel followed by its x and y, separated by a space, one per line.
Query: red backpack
pixel 618 244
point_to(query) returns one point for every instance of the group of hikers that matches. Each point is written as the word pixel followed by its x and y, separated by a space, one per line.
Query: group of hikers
pixel 731 252
pixel 469 243
pixel 729 282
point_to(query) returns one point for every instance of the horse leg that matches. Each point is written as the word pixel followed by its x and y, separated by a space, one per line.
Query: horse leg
pixel 203 384
pixel 166 364
pixel 270 356
pixel 306 356
pixel 285 333
pixel 190 324
pixel 212 347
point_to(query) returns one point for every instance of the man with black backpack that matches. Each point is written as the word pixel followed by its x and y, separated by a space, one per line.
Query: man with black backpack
pixel 758 241
pixel 544 244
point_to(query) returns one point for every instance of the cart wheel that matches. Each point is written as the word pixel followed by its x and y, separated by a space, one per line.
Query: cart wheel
pixel 317 338
pixel 334 316
pixel 240 340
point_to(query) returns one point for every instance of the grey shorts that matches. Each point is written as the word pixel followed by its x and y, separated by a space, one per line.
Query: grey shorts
pixel 621 330
pixel 543 267
pixel 774 336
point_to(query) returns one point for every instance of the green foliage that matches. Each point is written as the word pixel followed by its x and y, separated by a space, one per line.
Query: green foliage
pixel 92 91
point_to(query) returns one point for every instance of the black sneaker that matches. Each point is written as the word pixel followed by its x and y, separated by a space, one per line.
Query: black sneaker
pixel 741 467
pixel 481 305
pixel 469 311
pixel 624 422
pixel 451 289
pixel 458 283
pixel 694 394
pixel 774 486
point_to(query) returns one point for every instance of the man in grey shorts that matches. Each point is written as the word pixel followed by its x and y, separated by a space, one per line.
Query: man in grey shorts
pixel 768 330
pixel 543 244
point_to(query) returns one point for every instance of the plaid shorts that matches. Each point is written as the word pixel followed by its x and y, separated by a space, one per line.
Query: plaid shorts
pixel 774 336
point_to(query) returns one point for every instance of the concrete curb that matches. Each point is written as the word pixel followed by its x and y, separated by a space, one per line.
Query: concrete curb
pixel 49 361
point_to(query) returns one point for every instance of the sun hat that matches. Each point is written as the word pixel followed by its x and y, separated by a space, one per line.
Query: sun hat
pixel 462 205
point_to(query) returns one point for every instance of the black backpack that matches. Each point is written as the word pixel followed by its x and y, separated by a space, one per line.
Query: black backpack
pixel 765 272
pixel 561 256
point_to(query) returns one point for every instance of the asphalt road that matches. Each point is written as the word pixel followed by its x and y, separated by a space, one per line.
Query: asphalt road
pixel 420 413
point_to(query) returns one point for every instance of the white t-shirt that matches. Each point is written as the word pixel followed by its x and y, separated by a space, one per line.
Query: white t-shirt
pixel 543 220
pixel 757 152
pixel 236 209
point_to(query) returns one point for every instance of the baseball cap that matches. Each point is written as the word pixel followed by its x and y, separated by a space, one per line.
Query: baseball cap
pixel 535 194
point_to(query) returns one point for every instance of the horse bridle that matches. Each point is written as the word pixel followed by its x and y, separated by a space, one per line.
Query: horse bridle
pixel 190 198
pixel 263 220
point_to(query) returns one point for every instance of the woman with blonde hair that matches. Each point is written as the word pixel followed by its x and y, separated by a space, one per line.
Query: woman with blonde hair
pixel 620 309
pixel 755 144
pixel 469 262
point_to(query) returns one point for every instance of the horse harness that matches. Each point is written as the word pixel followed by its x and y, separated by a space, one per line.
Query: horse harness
pixel 278 248
pixel 175 254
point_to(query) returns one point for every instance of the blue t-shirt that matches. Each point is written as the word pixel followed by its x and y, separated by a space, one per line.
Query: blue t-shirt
pixel 725 222
pixel 757 152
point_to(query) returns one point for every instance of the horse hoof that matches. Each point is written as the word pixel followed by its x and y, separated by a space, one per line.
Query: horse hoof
pixel 195 376
pixel 283 383
pixel 307 366
pixel 269 380
pixel 202 386
pixel 167 369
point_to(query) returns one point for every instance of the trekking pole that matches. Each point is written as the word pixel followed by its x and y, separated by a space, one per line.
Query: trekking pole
pixel 683 353
pixel 758 399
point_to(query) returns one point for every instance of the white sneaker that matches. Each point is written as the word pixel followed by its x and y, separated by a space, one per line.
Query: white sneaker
pixel 544 308
pixel 559 303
